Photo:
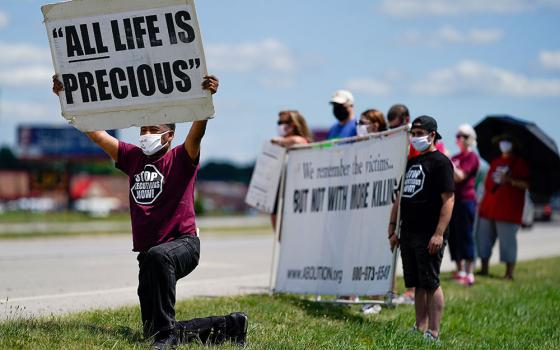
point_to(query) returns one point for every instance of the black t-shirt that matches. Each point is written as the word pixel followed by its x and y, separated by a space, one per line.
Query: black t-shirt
pixel 427 176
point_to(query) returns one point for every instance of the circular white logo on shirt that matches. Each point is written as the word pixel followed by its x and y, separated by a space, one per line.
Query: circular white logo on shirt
pixel 413 181
pixel 148 185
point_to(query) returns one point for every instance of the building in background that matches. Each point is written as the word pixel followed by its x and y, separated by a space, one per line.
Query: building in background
pixel 59 168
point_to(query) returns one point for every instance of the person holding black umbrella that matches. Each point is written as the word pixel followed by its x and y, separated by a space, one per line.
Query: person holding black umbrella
pixel 501 209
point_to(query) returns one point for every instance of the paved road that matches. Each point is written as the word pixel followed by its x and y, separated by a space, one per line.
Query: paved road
pixel 59 275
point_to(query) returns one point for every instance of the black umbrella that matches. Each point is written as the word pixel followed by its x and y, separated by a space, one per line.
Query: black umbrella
pixel 536 148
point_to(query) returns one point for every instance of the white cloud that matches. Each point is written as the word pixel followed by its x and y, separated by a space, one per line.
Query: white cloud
pixel 26 76
pixel 27 111
pixel 367 86
pixel 450 35
pixel 415 8
pixel 266 55
pixel 24 65
pixel 23 52
pixel 471 77
pixel 484 36
pixel 550 59
pixel 4 19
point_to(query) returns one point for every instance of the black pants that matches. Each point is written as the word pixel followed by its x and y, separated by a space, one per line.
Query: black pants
pixel 160 269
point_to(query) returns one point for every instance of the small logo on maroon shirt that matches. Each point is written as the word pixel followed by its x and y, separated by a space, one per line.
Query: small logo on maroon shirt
pixel 148 185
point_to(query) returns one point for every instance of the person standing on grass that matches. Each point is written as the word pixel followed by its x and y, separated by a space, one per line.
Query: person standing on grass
pixel 371 121
pixel 343 109
pixel 461 241
pixel 501 209
pixel 164 231
pixel 426 206
pixel 398 116
pixel 292 130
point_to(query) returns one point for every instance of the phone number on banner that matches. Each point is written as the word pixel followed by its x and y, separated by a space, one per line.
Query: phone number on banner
pixel 371 273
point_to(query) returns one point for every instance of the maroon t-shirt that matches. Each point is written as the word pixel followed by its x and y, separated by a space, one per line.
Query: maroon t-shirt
pixel 468 162
pixel 161 194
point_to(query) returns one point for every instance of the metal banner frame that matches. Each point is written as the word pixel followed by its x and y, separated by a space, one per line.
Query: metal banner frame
pixel 388 300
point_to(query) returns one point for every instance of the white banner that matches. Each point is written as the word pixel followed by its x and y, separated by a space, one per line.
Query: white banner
pixel 127 63
pixel 336 212
pixel 263 188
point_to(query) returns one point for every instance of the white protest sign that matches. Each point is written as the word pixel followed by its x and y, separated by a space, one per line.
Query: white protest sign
pixel 126 63
pixel 263 188
pixel 337 205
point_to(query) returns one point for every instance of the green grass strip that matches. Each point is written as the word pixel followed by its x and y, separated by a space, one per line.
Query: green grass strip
pixel 492 314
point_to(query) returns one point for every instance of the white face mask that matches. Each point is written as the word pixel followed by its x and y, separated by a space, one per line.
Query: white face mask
pixel 505 146
pixel 362 130
pixel 283 130
pixel 151 143
pixel 420 143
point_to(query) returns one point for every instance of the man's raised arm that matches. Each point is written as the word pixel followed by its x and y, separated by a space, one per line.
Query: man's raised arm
pixel 198 128
pixel 107 142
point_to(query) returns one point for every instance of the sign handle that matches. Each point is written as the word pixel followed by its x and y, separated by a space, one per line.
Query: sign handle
pixel 397 231
pixel 276 246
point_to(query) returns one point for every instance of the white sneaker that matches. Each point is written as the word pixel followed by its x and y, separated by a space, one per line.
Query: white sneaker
pixel 404 299
pixel 371 309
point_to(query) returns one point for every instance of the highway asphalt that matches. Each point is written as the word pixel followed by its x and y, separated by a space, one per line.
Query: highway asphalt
pixel 43 276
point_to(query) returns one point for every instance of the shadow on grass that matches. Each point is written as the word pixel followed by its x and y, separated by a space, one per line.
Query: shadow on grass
pixel 325 309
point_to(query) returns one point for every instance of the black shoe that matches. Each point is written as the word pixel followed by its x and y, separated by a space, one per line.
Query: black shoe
pixel 166 341
pixel 236 328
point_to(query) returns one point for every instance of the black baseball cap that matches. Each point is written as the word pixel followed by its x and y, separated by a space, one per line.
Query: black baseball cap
pixel 427 123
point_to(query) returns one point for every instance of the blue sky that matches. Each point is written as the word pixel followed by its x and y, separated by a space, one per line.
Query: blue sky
pixel 455 60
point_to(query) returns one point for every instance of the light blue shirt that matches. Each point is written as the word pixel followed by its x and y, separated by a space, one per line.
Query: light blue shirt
pixel 340 131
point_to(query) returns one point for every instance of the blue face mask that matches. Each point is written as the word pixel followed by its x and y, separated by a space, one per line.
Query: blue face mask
pixel 421 143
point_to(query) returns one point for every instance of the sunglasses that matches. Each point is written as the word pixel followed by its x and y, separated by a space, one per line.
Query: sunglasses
pixel 280 122
pixel 459 136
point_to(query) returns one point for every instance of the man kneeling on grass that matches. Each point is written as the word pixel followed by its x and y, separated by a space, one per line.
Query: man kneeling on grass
pixel 164 231
pixel 426 206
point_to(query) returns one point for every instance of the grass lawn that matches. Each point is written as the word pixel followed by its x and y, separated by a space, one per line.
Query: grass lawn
pixel 493 314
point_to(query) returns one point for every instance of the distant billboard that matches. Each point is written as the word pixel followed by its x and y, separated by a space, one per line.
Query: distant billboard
pixel 43 141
